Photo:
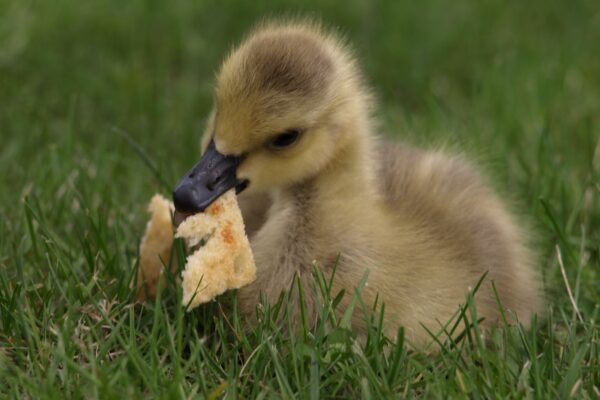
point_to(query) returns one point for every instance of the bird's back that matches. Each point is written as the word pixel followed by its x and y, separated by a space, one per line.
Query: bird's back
pixel 448 202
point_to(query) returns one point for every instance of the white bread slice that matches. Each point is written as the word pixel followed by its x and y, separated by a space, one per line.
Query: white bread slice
pixel 225 261
pixel 155 248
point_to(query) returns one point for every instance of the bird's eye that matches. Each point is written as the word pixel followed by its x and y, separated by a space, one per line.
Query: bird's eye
pixel 286 139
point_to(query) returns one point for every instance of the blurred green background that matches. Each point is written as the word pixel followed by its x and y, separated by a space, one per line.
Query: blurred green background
pixel 515 84
pixel 490 74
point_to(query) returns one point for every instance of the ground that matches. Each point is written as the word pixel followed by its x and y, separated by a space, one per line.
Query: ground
pixel 102 104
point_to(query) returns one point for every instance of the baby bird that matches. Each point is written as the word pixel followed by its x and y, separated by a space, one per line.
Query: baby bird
pixel 291 129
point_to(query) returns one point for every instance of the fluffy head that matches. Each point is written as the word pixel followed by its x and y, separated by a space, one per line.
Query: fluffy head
pixel 289 99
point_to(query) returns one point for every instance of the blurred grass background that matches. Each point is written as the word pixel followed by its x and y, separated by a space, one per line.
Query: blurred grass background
pixel 515 84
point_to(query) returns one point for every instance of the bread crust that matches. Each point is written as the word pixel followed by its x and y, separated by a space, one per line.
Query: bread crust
pixel 155 248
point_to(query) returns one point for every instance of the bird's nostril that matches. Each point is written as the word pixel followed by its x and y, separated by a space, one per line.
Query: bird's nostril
pixel 210 185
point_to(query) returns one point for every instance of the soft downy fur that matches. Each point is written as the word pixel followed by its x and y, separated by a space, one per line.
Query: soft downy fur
pixel 422 223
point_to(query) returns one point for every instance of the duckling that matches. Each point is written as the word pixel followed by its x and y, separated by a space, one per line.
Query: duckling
pixel 292 131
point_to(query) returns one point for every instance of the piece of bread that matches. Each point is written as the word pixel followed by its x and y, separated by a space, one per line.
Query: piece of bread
pixel 155 248
pixel 225 261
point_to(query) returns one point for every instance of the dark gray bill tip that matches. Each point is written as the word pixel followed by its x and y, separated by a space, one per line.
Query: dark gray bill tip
pixel 212 176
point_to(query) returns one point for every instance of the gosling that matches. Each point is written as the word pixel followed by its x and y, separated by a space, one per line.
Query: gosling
pixel 291 129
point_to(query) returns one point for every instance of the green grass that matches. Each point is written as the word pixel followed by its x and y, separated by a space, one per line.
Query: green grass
pixel 515 84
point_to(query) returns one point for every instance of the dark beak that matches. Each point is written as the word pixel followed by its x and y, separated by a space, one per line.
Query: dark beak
pixel 214 175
